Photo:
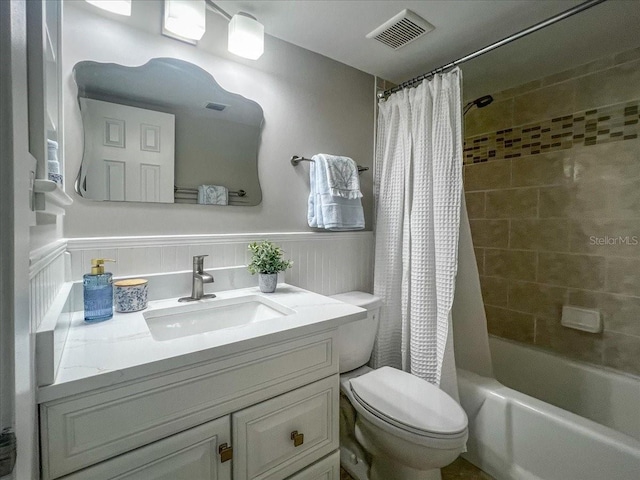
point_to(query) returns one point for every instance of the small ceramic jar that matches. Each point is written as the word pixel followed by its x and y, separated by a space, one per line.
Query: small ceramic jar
pixel 130 295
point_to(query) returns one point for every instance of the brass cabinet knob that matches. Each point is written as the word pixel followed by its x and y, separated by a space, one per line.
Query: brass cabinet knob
pixel 298 438
pixel 226 452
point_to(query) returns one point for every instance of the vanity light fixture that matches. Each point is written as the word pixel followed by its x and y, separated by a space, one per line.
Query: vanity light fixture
pixel 184 19
pixel 121 7
pixel 246 36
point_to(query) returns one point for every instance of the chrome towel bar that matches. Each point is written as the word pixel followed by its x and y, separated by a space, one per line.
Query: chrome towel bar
pixel 187 190
pixel 295 160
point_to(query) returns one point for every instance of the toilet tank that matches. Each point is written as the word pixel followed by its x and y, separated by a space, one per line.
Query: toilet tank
pixel 355 339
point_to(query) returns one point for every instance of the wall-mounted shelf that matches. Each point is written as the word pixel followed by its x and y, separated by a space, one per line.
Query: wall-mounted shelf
pixel 44 38
pixel 49 200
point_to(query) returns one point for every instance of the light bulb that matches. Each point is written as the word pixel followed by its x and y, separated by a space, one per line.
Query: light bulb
pixel 185 18
pixel 246 36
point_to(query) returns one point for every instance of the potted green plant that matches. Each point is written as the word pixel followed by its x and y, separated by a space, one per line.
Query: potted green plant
pixel 267 261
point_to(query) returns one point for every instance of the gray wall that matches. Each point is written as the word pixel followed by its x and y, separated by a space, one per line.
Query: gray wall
pixel 311 104
pixel 234 141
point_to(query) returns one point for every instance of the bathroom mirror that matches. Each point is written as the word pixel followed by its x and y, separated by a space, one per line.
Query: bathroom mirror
pixel 166 132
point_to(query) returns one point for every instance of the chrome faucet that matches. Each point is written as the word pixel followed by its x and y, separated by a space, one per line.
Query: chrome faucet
pixel 200 277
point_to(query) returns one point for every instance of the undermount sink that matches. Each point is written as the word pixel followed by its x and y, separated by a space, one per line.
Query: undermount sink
pixel 211 316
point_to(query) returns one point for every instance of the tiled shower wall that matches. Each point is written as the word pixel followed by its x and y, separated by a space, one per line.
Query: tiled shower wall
pixel 552 182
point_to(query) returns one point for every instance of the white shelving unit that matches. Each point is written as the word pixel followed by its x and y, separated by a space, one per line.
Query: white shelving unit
pixel 50 200
pixel 45 105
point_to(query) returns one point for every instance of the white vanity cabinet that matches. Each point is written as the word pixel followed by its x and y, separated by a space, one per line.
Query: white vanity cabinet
pixel 276 406
pixel 44 48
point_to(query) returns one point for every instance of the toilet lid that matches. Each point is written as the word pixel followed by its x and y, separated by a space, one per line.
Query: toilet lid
pixel 408 402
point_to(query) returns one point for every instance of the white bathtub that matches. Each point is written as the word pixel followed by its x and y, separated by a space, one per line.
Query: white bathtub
pixel 604 396
pixel 515 436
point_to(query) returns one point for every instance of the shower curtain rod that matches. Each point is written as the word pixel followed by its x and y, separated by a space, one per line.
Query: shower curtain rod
pixel 534 28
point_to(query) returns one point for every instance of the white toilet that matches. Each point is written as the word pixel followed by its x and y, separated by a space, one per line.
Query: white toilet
pixel 393 425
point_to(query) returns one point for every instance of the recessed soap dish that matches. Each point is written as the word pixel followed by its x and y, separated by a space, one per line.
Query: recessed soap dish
pixel 585 319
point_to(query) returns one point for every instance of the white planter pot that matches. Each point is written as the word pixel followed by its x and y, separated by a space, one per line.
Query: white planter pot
pixel 267 282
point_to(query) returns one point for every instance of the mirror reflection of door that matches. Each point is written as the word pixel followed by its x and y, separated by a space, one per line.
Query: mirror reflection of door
pixel 217 132
pixel 129 153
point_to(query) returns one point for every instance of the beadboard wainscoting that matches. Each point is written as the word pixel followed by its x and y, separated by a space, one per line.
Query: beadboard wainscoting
pixel 326 263
pixel 46 277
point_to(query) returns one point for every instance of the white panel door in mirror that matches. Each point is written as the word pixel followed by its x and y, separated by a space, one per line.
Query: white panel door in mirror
pixel 150 138
pixel 114 173
pixel 129 153
pixel 114 135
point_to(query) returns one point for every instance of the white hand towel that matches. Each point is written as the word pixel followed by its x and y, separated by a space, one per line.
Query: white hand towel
pixel 329 211
pixel 213 195
pixel 342 176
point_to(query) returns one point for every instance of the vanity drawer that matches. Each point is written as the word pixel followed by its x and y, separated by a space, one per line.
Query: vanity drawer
pixel 326 469
pixel 86 429
pixel 263 435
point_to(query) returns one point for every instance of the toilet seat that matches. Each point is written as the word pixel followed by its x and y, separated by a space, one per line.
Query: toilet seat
pixel 409 407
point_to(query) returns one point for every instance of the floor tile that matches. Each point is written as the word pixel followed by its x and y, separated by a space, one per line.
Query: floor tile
pixel 458 470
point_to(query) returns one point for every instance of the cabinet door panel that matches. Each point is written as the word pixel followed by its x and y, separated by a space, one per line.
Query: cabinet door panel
pixel 263 434
pixel 326 469
pixel 188 455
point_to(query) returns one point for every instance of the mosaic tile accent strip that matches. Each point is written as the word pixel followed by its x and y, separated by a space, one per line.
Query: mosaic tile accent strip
pixel 590 127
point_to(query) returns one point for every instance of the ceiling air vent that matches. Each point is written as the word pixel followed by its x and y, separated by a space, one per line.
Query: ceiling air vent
pixel 215 106
pixel 401 30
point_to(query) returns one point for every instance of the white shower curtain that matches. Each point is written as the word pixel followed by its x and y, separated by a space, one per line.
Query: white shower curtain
pixel 418 198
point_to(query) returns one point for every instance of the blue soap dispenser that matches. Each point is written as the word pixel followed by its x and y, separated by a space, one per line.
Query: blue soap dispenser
pixel 98 292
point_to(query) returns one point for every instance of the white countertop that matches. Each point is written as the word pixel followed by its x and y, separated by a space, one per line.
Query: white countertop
pixel 122 349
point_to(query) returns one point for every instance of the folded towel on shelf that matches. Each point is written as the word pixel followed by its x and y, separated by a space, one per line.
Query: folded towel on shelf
pixel 328 211
pixel 342 176
pixel 213 195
